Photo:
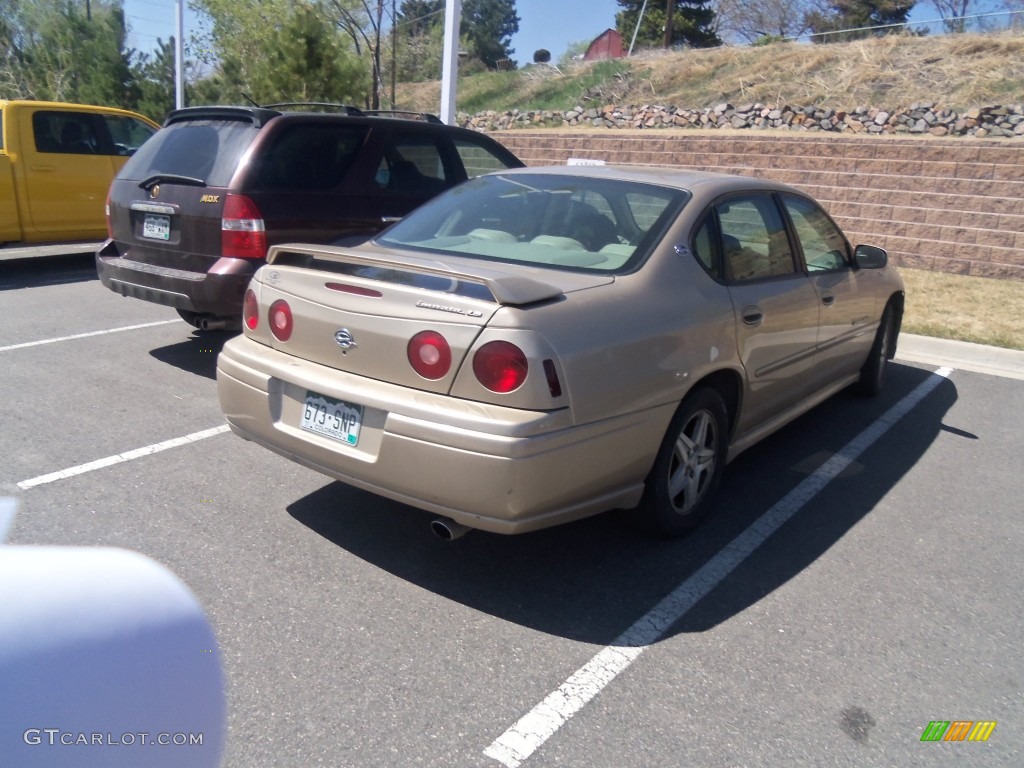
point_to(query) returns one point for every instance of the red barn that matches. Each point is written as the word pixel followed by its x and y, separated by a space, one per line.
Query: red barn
pixel 607 45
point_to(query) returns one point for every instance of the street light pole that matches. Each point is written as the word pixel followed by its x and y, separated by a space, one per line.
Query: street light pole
pixel 450 65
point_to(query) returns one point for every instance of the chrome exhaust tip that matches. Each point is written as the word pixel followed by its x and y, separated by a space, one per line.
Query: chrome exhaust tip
pixel 447 529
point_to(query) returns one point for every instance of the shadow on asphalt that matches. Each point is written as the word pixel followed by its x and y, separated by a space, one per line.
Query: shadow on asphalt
pixel 197 354
pixel 592 579
pixel 47 270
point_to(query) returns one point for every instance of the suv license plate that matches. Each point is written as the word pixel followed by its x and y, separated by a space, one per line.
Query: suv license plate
pixel 156 227
pixel 332 418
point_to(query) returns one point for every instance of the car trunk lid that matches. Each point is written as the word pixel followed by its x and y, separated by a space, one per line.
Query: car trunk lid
pixel 359 311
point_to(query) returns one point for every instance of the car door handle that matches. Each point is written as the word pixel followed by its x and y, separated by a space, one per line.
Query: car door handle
pixel 44 168
pixel 389 219
pixel 752 315
pixel 828 299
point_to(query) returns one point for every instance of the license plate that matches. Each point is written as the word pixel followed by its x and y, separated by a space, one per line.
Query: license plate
pixel 332 418
pixel 156 227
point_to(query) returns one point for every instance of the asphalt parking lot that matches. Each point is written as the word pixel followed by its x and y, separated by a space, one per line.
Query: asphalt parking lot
pixel 861 580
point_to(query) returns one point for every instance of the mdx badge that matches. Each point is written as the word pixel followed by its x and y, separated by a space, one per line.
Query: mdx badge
pixel 345 339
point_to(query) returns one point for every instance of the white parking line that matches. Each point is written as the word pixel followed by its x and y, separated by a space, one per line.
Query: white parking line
pixel 121 457
pixel 520 741
pixel 85 335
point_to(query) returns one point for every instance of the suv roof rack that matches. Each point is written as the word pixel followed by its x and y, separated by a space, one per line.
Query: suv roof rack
pixel 348 109
pixel 426 116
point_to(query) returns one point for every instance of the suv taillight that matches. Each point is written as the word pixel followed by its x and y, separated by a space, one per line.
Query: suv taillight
pixel 242 234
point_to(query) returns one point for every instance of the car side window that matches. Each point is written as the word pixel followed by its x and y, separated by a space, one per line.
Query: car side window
pixel 127 133
pixel 412 164
pixel 753 238
pixel 477 159
pixel 68 133
pixel 704 249
pixel 824 246
pixel 315 156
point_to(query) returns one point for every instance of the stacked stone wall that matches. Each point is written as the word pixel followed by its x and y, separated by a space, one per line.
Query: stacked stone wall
pixel 942 204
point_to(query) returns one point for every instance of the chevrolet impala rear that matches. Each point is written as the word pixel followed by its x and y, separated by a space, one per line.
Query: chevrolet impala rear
pixel 534 347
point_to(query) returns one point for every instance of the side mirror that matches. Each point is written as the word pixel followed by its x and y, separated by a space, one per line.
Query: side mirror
pixel 870 257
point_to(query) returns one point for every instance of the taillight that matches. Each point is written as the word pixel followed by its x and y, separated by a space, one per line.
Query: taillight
pixel 281 320
pixel 250 310
pixel 429 355
pixel 242 233
pixel 500 366
pixel 106 210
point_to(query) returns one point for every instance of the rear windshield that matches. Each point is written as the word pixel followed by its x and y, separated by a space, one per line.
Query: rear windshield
pixel 200 149
pixel 566 222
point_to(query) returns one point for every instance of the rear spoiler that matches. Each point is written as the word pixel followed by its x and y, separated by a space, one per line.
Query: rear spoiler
pixel 506 289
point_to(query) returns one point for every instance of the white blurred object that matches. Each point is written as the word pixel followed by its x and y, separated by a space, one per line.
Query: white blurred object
pixel 8 506
pixel 106 659
pixel 583 161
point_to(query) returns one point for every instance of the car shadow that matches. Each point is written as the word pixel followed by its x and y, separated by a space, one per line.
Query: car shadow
pixel 197 354
pixel 592 579
pixel 47 270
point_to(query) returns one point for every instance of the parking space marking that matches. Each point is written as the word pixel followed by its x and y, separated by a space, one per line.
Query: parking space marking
pixel 522 739
pixel 39 343
pixel 121 457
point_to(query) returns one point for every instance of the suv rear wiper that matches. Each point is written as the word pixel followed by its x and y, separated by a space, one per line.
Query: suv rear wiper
pixel 171 178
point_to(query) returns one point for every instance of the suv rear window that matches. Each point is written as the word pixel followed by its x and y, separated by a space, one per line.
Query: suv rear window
pixel 202 149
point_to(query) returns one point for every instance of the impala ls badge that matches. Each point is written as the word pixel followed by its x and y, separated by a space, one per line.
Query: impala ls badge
pixel 345 339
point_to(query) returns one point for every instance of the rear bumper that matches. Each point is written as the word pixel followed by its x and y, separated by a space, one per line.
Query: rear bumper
pixel 218 291
pixel 499 469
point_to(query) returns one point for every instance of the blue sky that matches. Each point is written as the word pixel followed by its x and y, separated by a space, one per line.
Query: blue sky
pixel 550 24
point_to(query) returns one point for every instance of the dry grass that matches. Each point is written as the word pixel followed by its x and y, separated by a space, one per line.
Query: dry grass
pixel 956 71
pixel 977 309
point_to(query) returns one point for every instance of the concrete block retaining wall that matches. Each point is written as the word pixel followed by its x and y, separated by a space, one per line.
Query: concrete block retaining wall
pixel 949 205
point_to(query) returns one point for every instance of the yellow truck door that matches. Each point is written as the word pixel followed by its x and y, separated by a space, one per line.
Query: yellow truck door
pixel 66 174
pixel 10 229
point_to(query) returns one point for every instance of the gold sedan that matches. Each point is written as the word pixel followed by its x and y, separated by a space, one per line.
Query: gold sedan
pixel 543 344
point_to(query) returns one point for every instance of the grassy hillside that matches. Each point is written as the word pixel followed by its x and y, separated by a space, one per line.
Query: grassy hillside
pixel 955 71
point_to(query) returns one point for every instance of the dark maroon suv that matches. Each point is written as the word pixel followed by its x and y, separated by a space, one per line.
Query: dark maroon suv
pixel 191 215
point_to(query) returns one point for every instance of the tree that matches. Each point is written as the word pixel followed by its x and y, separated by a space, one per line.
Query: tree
pixel 485 35
pixel 857 14
pixel 754 20
pixel 488 26
pixel 280 50
pixel 52 50
pixel 953 13
pixel 679 22
pixel 155 75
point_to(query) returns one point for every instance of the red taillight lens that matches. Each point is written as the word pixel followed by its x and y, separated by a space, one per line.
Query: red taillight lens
pixel 250 310
pixel 500 366
pixel 281 320
pixel 429 355
pixel 242 234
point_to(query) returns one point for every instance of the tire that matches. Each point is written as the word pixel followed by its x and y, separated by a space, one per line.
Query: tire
pixel 872 375
pixel 680 489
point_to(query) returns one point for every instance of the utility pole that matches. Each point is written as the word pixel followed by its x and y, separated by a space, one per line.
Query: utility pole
pixel 450 64
pixel 670 7
pixel 179 54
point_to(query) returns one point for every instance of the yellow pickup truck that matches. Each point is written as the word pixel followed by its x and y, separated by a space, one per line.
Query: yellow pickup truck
pixel 56 164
